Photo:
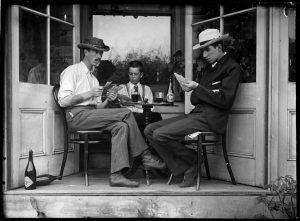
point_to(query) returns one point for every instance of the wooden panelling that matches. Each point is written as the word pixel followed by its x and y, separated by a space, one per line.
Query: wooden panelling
pixel 291 98
pixel 242 174
pixel 241 133
pixel 243 98
pixel 292 135
pixel 32 131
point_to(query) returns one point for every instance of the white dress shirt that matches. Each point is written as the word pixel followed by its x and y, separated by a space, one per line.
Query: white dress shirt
pixel 148 95
pixel 77 79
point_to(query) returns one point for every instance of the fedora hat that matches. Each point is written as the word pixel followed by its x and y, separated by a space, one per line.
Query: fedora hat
pixel 208 37
pixel 93 43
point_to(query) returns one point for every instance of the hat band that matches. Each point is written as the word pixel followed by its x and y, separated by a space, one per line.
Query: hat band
pixel 204 42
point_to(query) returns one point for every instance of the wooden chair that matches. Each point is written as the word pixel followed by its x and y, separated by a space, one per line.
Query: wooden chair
pixel 202 142
pixel 77 137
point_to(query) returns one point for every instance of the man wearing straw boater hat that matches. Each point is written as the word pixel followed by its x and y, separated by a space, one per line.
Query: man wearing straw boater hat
pixel 212 97
pixel 80 94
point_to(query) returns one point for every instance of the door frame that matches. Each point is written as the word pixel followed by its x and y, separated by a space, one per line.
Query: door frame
pixel 12 111
pixel 279 132
pixel 261 103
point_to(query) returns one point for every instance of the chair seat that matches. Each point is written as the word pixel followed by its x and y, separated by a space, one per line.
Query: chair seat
pixel 83 141
pixel 199 138
pixel 86 131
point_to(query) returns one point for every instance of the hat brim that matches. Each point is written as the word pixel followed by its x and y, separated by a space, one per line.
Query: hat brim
pixel 221 38
pixel 88 46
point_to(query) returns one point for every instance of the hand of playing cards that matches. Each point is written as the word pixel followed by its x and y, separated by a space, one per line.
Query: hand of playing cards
pixel 185 84
pixel 180 79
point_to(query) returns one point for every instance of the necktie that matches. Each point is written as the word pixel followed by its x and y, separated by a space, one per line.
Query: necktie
pixel 136 89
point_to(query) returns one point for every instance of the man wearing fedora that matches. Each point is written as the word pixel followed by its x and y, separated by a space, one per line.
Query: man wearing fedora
pixel 80 95
pixel 212 97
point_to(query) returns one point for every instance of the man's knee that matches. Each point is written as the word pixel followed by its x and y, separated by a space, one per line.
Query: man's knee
pixel 148 130
pixel 120 127
pixel 159 136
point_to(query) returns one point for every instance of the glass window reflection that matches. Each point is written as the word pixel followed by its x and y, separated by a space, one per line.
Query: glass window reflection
pixel 61 50
pixel 229 8
pixel 32 40
pixel 242 47
pixel 206 12
pixel 63 12
pixel 292 44
pixel 36 7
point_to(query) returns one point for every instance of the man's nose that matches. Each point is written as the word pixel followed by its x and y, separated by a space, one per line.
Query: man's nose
pixel 204 54
pixel 99 55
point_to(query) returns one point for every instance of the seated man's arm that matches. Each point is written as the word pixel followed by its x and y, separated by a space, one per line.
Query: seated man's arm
pixel 223 97
pixel 66 96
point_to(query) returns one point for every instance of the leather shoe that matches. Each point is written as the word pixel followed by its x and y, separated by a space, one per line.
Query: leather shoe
pixel 189 177
pixel 117 179
pixel 152 162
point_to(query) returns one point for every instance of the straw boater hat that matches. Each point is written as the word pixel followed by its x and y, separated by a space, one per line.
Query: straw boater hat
pixel 208 37
pixel 93 43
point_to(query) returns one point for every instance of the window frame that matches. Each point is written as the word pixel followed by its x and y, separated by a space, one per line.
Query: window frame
pixel 221 24
pixel 49 18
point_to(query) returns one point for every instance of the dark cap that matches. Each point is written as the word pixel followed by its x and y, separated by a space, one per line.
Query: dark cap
pixel 93 43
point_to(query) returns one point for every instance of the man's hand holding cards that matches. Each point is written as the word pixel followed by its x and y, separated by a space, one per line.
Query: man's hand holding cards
pixel 186 85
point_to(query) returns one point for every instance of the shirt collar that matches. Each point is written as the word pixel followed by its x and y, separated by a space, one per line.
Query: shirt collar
pixel 85 69
pixel 214 64
pixel 131 85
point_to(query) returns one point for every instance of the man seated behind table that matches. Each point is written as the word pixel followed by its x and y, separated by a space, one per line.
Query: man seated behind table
pixel 80 95
pixel 135 73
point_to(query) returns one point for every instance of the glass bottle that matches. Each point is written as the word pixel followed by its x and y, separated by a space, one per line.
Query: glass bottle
pixel 30 173
pixel 135 94
pixel 170 93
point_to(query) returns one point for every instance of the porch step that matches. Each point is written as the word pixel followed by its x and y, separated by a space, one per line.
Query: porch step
pixel 70 198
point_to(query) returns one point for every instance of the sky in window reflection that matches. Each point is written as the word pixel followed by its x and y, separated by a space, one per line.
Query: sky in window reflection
pixel 124 34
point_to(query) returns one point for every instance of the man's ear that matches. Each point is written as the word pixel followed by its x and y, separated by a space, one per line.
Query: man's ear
pixel 142 74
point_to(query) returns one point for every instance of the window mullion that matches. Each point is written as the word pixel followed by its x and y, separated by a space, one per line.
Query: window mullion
pixel 221 19
pixel 48 45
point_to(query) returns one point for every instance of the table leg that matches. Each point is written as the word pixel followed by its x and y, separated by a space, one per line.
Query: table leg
pixel 147 112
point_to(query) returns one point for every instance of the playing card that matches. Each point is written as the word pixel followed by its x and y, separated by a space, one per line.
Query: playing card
pixel 179 78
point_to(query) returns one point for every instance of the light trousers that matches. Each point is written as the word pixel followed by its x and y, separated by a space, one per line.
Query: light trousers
pixel 127 141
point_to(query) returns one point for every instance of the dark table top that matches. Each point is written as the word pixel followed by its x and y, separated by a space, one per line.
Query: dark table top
pixel 148 104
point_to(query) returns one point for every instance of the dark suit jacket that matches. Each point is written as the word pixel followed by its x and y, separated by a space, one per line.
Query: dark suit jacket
pixel 224 76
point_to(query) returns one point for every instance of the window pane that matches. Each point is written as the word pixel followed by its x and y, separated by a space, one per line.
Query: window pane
pixel 61 50
pixel 205 12
pixel 144 38
pixel 32 48
pixel 63 12
pixel 229 8
pixel 242 47
pixel 198 61
pixel 292 44
pixel 36 7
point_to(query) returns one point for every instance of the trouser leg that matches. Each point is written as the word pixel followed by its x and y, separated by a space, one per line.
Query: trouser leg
pixel 166 136
pixel 119 154
pixel 140 119
pixel 117 121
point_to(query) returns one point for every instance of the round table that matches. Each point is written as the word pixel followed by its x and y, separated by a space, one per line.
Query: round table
pixel 147 108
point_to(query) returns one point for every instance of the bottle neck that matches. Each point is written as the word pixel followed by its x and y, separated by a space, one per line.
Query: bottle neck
pixel 30 155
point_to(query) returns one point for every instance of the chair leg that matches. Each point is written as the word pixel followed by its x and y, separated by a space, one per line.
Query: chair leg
pixel 86 155
pixel 227 160
pixel 170 179
pixel 66 147
pixel 199 147
pixel 206 162
pixel 147 177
